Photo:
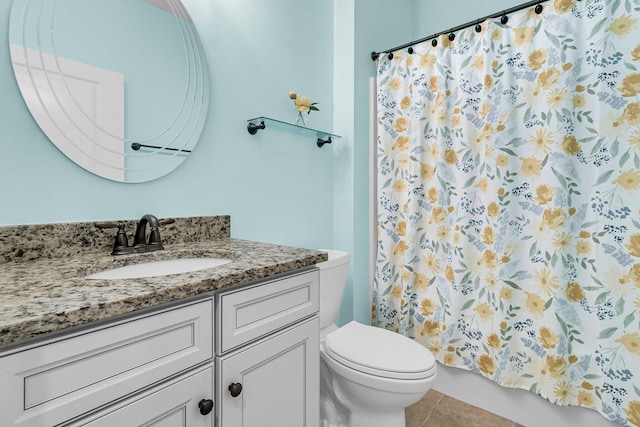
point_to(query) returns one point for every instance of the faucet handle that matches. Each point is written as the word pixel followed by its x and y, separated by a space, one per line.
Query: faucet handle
pixel 166 221
pixel 121 244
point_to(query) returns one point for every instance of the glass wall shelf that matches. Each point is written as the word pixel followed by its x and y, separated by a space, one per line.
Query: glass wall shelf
pixel 254 125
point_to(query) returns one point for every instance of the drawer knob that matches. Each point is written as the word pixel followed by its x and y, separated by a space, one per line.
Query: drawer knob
pixel 235 389
pixel 206 406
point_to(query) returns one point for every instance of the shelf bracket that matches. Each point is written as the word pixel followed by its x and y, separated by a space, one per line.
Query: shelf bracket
pixel 253 128
pixel 321 141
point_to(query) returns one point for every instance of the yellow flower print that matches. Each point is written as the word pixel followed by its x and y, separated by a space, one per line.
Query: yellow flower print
pixel 401 124
pixel 630 85
pixel 432 263
pixel 634 140
pixel 427 307
pixel 491 280
pixel 631 342
pixel 547 338
pixel 426 171
pixel 405 275
pixel 629 180
pixel 496 35
pixel 586 385
pixel 449 358
pixel 544 194
pixel 583 247
pixel 400 186
pixel 622 25
pixel 573 358
pixel 427 60
pixel 420 281
pixel 503 325
pixel 493 341
pixel 548 78
pixel 567 66
pixel 395 83
pixel 432 195
pixel 402 143
pixel 556 366
pixel 531 166
pixel 397 291
pixel 456 120
pixel 401 228
pixel 547 282
pixel 633 412
pixel 433 84
pixel 537 58
pixel 505 294
pixel 450 156
pixel 484 311
pixel 585 399
pixel 405 103
pixel 534 303
pixel 487 365
pixel 553 218
pixel 632 113
pixel 563 390
pixel 556 98
pixel 482 184
pixel 438 215
pixel 493 209
pixel 563 6
pixel 443 232
pixel 401 248
pixel 579 101
pixel 489 259
pixel 488 81
pixel 562 241
pixel 524 35
pixel 542 140
pixel 634 245
pixel 574 292
pixel 404 160
pixel 479 62
pixel 635 54
pixel 570 145
pixel 449 273
pixel 488 236
pixel 431 328
pixel 634 275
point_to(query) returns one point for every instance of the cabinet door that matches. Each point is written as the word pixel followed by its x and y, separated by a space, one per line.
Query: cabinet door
pixel 172 405
pixel 280 381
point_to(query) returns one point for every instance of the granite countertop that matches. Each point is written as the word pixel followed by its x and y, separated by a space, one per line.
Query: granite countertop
pixel 48 293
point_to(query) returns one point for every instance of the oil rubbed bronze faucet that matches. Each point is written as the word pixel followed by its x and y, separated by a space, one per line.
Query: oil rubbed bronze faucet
pixel 140 244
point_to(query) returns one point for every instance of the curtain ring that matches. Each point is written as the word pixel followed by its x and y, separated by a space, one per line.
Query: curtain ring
pixel 504 19
pixel 539 9
pixel 410 50
pixel 478 27
pixel 390 56
pixel 434 42
pixel 452 36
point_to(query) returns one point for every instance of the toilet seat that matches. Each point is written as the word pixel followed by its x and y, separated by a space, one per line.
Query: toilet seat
pixel 379 352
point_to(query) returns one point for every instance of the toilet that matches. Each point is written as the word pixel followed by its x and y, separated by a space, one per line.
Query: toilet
pixel 368 375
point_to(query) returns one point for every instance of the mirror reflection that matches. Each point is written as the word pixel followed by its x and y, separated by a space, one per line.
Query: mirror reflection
pixel 119 86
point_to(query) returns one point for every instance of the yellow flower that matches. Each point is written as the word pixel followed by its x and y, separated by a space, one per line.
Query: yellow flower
pixel 493 341
pixel 405 103
pixel 562 241
pixel 401 248
pixel 449 358
pixel 630 85
pixel 493 210
pixel 583 247
pixel 489 258
pixel 634 245
pixel 579 101
pixel 426 171
pixel 486 364
pixel 483 310
pixel 427 307
pixel 567 66
pixel 544 194
pixel 574 292
pixel 548 283
pixel 547 338
pixel 548 78
pixel 634 274
pixel 632 113
pixel 556 366
pixel 397 291
pixel 524 35
pixel 488 81
pixel 537 58
pixel 629 180
pixel 488 236
pixel 573 358
pixel 421 281
pixel 505 294
pixel 556 97
pixel 503 325
pixel 303 103
pixel 491 280
pixel 443 232
pixel 542 140
pixel 427 60
pixel 432 195
pixel 622 25
pixel 562 390
pixel 450 156
pixel 482 184
pixel 534 304
pixel 437 214
pixel 401 124
pixel 631 342
pixel 570 145
pixel 563 6
pixel 553 218
pixel 400 186
pixel 586 385
pixel 431 328
pixel 432 263
pixel 433 83
pixel 502 160
pixel 395 83
pixel 585 399
pixel 633 412
pixel 402 143
pixel 401 228
pixel 448 273
pixel 531 166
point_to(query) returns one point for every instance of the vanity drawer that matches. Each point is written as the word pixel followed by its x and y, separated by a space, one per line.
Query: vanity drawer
pixel 56 381
pixel 253 312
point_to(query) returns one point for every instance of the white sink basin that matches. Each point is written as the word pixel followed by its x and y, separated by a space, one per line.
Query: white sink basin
pixel 159 268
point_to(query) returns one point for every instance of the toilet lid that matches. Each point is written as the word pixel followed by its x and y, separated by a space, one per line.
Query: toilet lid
pixel 379 352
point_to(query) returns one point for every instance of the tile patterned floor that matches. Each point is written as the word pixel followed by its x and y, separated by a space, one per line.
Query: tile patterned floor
pixel 438 410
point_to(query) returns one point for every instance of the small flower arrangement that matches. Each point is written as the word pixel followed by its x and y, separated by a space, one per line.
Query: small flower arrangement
pixel 303 104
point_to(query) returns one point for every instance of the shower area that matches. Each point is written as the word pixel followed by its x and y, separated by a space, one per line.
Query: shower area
pixel 507 175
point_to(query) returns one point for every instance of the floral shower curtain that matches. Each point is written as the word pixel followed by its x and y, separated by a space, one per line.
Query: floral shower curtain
pixel 509 202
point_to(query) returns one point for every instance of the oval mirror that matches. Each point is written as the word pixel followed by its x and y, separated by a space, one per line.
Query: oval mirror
pixel 119 86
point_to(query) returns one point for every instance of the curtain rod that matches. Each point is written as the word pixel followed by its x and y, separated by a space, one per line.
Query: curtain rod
pixel 503 15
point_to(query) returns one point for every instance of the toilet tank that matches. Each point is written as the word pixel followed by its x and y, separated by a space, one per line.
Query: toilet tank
pixel 333 276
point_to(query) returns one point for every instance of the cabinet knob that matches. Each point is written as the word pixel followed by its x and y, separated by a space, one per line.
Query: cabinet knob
pixel 235 389
pixel 206 406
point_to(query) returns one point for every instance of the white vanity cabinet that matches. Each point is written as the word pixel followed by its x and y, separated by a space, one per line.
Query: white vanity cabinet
pixel 267 379
pixel 160 368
